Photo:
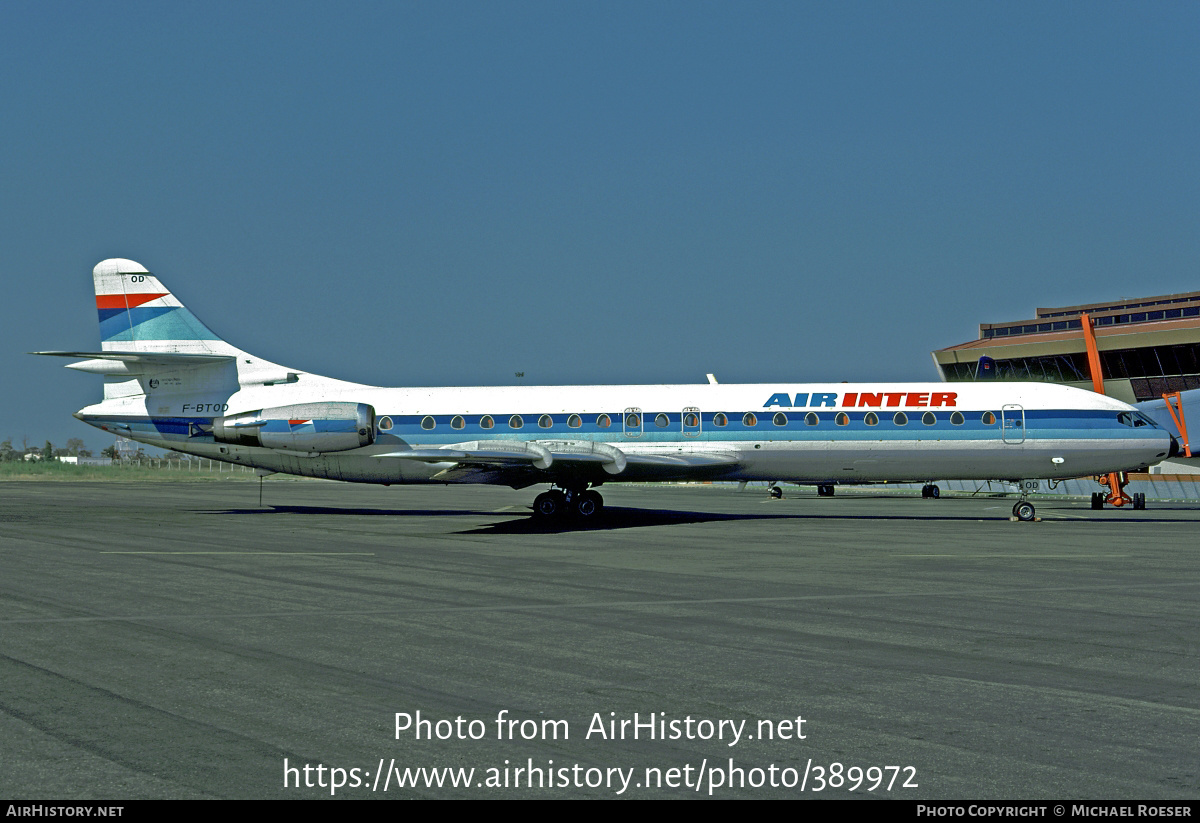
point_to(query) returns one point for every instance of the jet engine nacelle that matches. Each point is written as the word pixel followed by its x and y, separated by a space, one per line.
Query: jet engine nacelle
pixel 302 427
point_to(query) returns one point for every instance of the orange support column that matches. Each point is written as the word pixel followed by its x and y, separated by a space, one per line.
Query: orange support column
pixel 1115 481
pixel 1175 407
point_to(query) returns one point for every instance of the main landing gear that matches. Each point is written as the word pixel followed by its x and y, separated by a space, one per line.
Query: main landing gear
pixel 586 504
pixel 931 491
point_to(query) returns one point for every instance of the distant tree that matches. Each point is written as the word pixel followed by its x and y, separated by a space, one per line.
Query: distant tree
pixel 110 452
pixel 7 452
pixel 85 452
pixel 75 446
pixel 48 451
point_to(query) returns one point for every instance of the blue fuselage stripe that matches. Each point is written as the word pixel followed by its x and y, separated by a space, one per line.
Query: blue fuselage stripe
pixel 1035 425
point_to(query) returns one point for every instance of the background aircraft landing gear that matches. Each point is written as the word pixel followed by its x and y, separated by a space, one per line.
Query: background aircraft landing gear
pixel 825 490
pixel 931 490
pixel 776 493
pixel 1100 498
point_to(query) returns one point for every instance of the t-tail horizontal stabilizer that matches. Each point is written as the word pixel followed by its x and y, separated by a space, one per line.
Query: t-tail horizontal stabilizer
pixel 116 362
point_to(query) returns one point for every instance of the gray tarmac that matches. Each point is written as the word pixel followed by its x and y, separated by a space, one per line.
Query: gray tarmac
pixel 177 640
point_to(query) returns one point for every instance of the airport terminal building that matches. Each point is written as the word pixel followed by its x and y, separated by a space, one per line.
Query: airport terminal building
pixel 1148 346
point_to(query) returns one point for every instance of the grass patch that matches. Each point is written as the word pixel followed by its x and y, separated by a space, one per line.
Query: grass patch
pixel 148 469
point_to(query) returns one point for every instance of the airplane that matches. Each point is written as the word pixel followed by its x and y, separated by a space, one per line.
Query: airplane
pixel 1174 420
pixel 170 382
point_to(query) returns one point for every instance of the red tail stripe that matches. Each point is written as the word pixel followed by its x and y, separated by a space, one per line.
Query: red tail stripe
pixel 125 301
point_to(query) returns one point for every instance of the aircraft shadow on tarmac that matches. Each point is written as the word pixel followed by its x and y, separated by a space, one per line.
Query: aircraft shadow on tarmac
pixel 345 510
pixel 521 521
pixel 615 517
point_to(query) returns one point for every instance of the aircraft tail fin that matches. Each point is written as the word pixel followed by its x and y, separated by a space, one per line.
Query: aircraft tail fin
pixel 139 314
pixel 151 344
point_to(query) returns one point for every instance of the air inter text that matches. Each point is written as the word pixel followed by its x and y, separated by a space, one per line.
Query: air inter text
pixel 864 400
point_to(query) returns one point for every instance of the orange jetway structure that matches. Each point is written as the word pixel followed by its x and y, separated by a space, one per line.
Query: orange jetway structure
pixel 1115 481
pixel 1175 409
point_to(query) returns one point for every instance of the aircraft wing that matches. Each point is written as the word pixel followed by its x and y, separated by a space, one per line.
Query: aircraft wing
pixel 531 461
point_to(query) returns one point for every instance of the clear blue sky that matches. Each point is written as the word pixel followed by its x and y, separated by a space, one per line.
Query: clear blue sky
pixel 446 193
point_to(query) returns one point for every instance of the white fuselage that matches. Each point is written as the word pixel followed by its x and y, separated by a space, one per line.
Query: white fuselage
pixel 820 433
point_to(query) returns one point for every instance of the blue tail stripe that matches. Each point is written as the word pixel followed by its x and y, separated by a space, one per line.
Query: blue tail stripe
pixel 157 323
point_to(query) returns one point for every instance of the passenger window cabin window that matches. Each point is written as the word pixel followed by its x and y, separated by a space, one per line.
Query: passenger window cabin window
pixel 748 419
pixel 486 422
pixel 515 422
pixel 988 419
pixel 458 422
pixel 900 419
pixel 841 419
pixel 957 419
pixel 662 421
pixel 385 424
pixel 780 419
pixel 691 420
pixel 574 421
pixel 428 423
pixel 929 418
pixel 545 421
pixel 871 419
pixel 632 421
pixel 811 419
pixel 720 420
pixel 603 421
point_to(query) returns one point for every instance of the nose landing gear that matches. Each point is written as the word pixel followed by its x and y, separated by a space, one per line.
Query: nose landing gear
pixel 1024 511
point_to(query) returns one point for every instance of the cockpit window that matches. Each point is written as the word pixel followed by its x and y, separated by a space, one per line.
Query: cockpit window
pixel 1134 419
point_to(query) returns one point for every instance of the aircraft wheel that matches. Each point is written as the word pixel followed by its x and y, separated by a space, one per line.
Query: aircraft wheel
pixel 589 504
pixel 934 491
pixel 1023 511
pixel 925 491
pixel 1097 500
pixel 776 492
pixel 1139 500
pixel 548 504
